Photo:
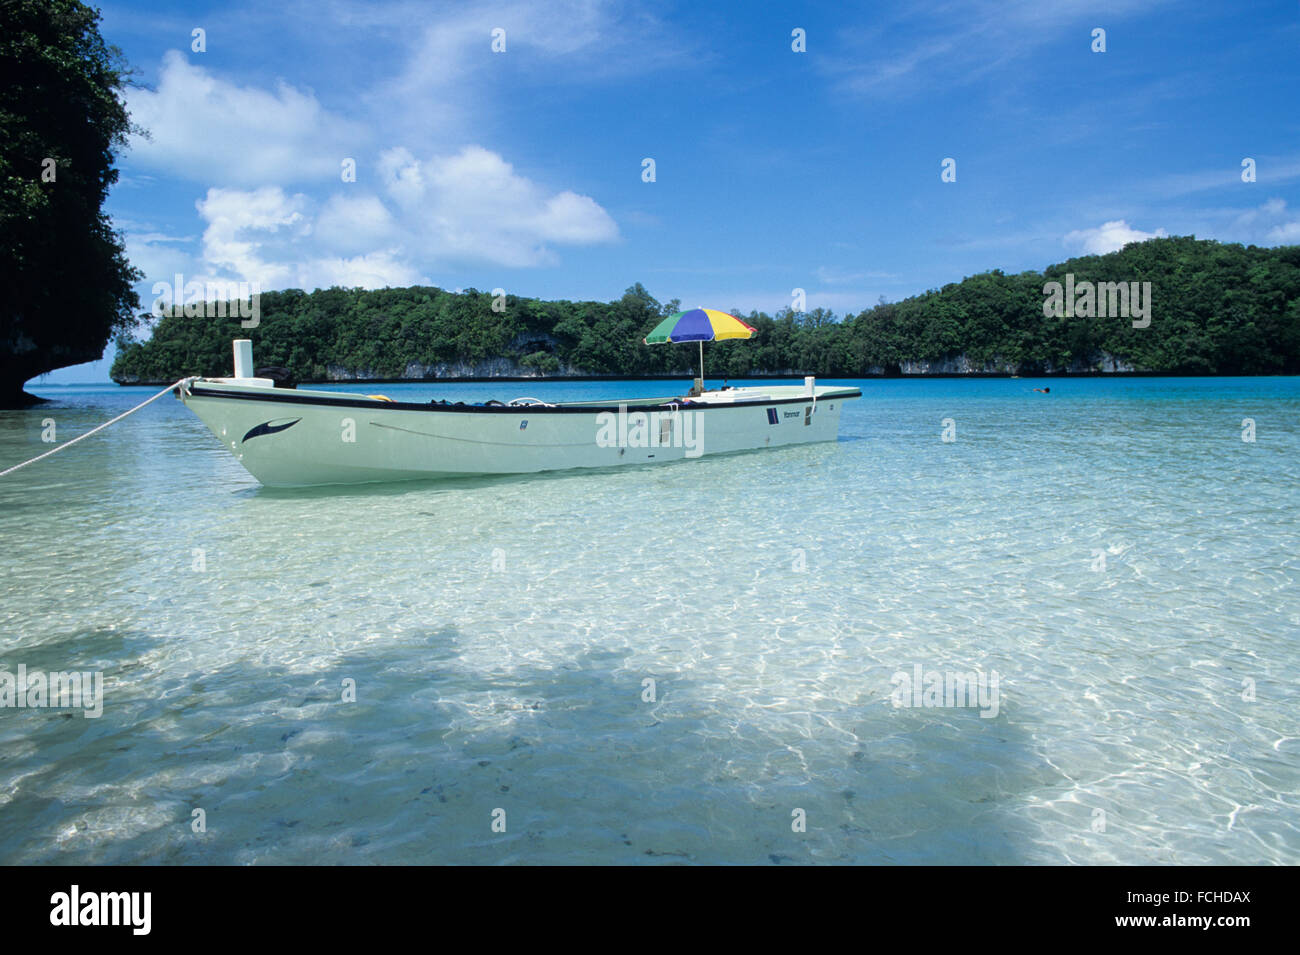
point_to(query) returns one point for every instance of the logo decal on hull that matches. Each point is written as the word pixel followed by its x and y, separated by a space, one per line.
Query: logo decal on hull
pixel 270 427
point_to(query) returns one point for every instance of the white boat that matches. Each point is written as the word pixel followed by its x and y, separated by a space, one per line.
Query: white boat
pixel 291 437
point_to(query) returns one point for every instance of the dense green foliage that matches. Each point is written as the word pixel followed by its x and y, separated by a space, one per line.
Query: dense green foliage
pixel 1220 309
pixel 68 286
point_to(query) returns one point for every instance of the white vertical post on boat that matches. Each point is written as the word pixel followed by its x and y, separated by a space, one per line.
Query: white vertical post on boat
pixel 243 358
pixel 810 386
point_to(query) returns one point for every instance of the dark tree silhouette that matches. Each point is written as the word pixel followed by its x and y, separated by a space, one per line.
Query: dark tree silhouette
pixel 67 286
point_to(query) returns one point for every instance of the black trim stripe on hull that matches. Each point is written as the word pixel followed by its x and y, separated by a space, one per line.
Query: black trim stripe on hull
pixel 297 399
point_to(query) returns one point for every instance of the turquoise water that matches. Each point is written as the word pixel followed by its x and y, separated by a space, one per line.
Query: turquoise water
pixel 499 633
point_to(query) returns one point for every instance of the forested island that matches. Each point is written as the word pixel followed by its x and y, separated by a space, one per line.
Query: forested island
pixel 1214 308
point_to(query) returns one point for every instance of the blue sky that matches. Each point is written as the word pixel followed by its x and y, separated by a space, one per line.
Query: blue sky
pixel 774 169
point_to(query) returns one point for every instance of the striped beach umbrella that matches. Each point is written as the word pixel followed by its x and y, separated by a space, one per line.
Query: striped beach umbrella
pixel 699 325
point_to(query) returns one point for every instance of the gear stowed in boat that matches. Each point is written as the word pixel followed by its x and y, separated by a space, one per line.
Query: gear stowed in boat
pixel 294 437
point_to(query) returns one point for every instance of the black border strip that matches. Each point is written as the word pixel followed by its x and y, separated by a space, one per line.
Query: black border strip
pixel 290 397
pixel 281 903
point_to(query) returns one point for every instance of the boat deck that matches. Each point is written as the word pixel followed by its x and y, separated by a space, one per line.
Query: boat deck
pixel 263 390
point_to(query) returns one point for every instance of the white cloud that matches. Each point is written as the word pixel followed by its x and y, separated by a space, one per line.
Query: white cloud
pixel 1286 234
pixel 267 159
pixel 375 270
pixel 157 254
pixel 274 239
pixel 931 43
pixel 207 130
pixel 473 206
pixel 353 225
pixel 468 207
pixel 246 230
pixel 593 38
pixel 1108 237
pixel 1270 223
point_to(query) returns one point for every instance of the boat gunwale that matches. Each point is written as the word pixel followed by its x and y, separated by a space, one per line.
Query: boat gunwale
pixel 288 396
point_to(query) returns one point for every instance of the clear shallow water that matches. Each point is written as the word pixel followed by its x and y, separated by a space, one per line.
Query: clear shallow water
pixel 499 632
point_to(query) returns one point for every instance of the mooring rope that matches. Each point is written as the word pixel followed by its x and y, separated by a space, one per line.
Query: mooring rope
pixel 83 437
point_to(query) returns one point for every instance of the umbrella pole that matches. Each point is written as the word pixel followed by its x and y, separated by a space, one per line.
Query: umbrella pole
pixel 701 366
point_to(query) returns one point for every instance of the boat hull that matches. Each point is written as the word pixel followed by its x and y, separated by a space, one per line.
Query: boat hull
pixel 291 438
